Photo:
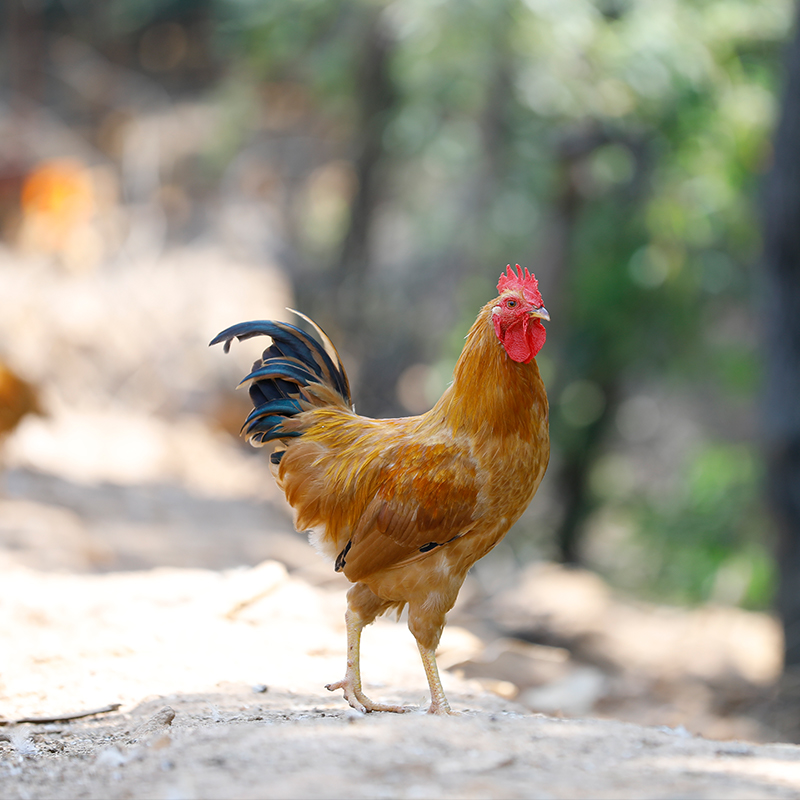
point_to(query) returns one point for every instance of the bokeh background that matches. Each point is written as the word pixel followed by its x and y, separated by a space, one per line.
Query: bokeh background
pixel 168 168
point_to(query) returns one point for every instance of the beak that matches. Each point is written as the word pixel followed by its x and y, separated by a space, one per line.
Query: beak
pixel 541 313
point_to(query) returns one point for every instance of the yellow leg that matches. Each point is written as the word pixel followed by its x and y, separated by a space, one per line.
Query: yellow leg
pixel 439 704
pixel 351 684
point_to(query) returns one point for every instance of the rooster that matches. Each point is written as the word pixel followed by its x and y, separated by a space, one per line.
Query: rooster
pixel 17 398
pixel 404 507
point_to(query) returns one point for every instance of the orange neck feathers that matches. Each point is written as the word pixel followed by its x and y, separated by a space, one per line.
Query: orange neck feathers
pixel 491 393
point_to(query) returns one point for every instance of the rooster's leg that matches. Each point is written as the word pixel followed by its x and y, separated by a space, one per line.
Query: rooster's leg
pixel 351 684
pixel 439 704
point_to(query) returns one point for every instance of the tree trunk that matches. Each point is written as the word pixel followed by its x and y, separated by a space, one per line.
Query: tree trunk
pixel 782 340
pixel 337 299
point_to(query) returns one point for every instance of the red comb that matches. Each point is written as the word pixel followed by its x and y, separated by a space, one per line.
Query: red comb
pixel 526 283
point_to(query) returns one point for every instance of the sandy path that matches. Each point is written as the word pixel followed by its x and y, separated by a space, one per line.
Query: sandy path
pixel 220 675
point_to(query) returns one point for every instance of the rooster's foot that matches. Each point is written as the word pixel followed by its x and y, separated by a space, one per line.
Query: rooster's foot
pixel 359 701
pixel 442 709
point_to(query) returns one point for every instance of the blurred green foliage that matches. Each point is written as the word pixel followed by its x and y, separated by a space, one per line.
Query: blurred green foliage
pixel 616 147
pixel 704 538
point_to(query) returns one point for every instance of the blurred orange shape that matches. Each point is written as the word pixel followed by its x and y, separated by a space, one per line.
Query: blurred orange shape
pixel 17 398
pixel 59 195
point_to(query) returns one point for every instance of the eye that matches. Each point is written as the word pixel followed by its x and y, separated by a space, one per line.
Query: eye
pixel 511 303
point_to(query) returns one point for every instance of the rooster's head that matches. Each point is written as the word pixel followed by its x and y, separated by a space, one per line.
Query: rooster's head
pixel 518 313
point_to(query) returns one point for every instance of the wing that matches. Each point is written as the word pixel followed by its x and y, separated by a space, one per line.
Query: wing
pixel 377 493
pixel 427 498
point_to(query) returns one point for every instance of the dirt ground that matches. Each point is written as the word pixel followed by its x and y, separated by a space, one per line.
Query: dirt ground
pixel 219 678
pixel 149 574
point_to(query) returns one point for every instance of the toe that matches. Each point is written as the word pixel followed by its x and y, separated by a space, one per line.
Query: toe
pixel 370 706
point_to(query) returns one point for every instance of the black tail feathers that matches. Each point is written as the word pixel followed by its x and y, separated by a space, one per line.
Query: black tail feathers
pixel 279 380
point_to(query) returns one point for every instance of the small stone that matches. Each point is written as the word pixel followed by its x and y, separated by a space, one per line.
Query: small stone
pixel 155 725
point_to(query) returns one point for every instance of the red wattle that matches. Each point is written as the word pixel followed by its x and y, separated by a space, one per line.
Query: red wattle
pixel 524 340
pixel 537 334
